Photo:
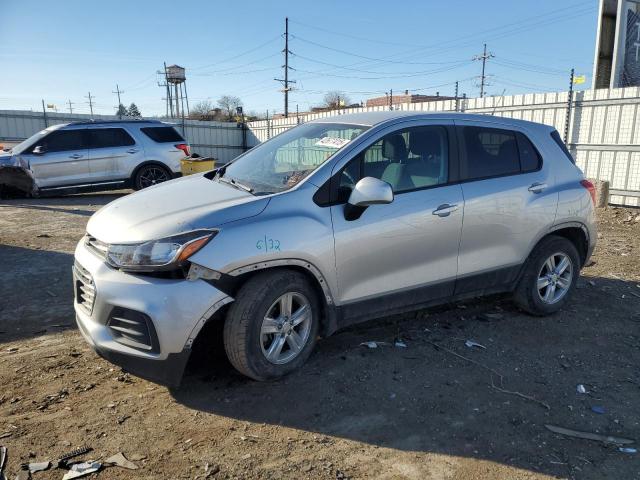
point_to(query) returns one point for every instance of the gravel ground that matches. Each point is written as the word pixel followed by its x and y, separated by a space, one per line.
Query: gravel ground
pixel 433 410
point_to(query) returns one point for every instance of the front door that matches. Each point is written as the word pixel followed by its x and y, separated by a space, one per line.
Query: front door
pixel 403 253
pixel 63 159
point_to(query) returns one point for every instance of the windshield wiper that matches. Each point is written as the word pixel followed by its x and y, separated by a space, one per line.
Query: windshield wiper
pixel 234 183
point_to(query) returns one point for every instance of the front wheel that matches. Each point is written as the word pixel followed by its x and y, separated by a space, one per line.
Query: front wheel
pixel 549 278
pixel 272 326
pixel 149 175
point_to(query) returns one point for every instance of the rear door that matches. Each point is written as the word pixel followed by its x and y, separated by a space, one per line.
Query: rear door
pixel 509 198
pixel 405 252
pixel 64 161
pixel 113 153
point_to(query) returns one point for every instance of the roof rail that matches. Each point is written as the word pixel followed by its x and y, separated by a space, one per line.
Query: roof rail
pixel 107 122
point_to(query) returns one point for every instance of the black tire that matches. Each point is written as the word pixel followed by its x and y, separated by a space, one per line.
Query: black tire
pixel 150 174
pixel 527 296
pixel 243 341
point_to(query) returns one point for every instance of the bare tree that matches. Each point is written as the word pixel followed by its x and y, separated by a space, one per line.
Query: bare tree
pixel 229 103
pixel 204 110
pixel 336 99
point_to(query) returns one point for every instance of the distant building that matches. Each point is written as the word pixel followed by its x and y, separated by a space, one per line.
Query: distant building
pixel 404 98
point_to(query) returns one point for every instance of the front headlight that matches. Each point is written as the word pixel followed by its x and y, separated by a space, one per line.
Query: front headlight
pixel 163 254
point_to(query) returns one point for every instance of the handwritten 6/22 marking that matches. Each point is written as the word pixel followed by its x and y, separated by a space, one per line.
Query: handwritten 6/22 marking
pixel 268 244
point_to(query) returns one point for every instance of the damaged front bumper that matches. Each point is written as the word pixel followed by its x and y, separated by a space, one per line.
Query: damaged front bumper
pixel 18 178
pixel 144 324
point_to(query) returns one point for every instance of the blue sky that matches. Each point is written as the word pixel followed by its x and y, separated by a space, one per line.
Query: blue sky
pixel 61 50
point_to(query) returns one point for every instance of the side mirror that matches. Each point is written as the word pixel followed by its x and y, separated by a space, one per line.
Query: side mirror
pixel 39 150
pixel 368 191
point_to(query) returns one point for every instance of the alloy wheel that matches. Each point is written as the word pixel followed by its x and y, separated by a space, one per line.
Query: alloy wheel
pixel 285 328
pixel 151 176
pixel 554 278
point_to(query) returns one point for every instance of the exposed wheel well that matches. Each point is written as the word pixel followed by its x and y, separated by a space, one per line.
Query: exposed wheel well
pixel 578 237
pixel 311 278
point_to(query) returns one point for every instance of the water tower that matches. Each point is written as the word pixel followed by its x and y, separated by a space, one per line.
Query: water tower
pixel 176 85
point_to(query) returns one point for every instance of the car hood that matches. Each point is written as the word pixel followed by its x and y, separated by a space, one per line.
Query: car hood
pixel 181 205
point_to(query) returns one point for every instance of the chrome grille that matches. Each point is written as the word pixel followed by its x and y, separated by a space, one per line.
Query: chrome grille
pixel 85 289
pixel 96 246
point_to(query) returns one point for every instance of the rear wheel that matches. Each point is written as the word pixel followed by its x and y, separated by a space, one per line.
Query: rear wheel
pixel 549 278
pixel 271 328
pixel 149 175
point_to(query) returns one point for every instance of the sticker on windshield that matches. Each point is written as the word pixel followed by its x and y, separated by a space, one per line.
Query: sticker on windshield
pixel 332 142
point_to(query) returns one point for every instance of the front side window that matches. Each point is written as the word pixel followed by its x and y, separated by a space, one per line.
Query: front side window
pixel 407 159
pixel 282 162
pixel 63 140
pixel 109 137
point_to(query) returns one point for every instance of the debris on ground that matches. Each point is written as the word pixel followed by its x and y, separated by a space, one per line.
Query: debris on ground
pixel 589 435
pixel 598 409
pixel 120 460
pixel 63 460
pixel 38 466
pixel 489 316
pixel 3 461
pixel 372 344
pixel 581 388
pixel 82 469
pixel 400 344
pixel 473 343
pixel 627 450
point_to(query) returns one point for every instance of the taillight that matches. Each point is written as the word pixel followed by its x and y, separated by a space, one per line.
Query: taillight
pixel 592 189
pixel 184 147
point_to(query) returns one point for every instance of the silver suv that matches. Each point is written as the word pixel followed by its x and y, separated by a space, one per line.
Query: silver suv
pixel 333 222
pixel 99 155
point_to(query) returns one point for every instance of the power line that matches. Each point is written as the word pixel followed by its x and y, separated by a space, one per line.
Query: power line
pixel 70 103
pixel 238 55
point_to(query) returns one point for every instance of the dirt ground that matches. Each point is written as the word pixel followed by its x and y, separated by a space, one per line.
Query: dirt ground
pixel 419 412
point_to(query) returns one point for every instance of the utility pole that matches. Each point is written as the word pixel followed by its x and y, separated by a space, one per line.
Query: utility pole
pixel 44 114
pixel 286 80
pixel 118 91
pixel 90 103
pixel 567 120
pixel 484 57
pixel 391 99
pixel 70 103
pixel 456 96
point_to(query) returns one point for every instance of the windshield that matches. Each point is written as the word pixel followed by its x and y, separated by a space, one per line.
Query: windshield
pixel 22 146
pixel 281 163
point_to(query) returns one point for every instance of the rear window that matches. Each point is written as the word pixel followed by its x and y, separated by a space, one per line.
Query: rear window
pixel 162 134
pixel 530 160
pixel 109 137
pixel 556 138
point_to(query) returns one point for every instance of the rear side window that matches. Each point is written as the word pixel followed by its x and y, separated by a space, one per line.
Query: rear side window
pixel 494 152
pixel 488 152
pixel 162 134
pixel 63 140
pixel 556 138
pixel 530 160
pixel 109 137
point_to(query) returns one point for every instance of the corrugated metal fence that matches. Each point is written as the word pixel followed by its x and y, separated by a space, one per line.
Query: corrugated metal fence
pixel 220 140
pixel 604 132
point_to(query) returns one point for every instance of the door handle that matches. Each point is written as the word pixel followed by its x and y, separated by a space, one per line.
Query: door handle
pixel 445 210
pixel 132 150
pixel 75 156
pixel 537 187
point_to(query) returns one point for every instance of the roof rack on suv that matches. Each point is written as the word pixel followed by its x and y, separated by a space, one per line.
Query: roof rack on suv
pixel 99 122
